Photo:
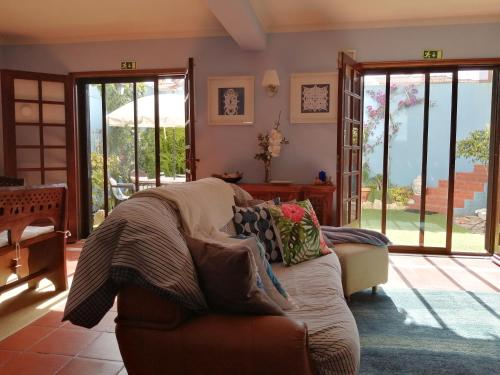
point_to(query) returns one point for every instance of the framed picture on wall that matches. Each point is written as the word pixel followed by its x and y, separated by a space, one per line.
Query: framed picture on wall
pixel 231 100
pixel 313 98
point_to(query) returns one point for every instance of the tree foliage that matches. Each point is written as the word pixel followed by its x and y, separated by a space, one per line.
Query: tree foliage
pixel 476 146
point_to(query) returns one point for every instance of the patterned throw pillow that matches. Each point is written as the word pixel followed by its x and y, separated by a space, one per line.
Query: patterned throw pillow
pixel 299 230
pixel 257 220
pixel 230 279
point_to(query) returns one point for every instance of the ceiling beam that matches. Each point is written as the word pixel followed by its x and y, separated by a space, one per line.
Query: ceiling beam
pixel 240 21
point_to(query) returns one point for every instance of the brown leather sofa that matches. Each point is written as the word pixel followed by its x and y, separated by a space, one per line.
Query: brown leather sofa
pixel 158 337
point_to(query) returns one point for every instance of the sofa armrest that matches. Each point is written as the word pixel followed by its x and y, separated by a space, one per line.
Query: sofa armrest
pixel 218 344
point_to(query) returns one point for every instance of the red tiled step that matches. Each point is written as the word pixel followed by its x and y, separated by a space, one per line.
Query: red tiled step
pixel 436 207
pixel 470 177
pixel 439 202
pixel 463 185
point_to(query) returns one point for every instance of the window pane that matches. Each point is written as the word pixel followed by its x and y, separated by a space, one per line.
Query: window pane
pixel 54 135
pixel 53 91
pixel 26 112
pixel 146 134
pixel 471 166
pixel 27 135
pixel 30 177
pixel 437 160
pixel 56 177
pixel 54 157
pixel 172 130
pixel 54 113
pixel 120 141
pixel 406 116
pixel 373 151
pixel 28 157
pixel 94 124
pixel 25 89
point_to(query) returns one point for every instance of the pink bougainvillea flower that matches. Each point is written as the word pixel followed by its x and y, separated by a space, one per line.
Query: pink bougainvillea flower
pixel 293 211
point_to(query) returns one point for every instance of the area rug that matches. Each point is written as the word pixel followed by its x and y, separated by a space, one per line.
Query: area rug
pixel 416 331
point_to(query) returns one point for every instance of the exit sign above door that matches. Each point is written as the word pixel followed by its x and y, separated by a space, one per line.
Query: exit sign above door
pixel 128 65
pixel 433 54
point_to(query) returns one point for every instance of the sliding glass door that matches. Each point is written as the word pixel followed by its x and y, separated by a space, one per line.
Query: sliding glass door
pixel 426 152
pixel 472 160
pixel 135 136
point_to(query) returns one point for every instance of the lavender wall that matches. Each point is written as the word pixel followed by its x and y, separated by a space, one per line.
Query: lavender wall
pixel 226 148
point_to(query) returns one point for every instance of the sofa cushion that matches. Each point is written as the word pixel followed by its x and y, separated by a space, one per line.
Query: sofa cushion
pixel 240 195
pixel 316 288
pixel 299 232
pixel 257 220
pixel 272 285
pixel 229 279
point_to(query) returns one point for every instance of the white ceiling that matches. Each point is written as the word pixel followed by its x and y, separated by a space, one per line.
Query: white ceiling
pixel 301 15
pixel 56 21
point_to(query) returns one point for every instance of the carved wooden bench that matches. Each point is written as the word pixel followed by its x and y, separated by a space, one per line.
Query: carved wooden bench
pixel 33 235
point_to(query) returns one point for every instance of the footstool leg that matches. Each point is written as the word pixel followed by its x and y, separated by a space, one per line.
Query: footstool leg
pixel 374 289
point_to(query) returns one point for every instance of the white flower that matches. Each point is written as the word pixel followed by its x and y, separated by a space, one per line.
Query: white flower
pixel 274 150
pixel 275 137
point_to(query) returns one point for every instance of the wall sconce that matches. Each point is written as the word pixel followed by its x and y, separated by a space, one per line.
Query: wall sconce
pixel 271 82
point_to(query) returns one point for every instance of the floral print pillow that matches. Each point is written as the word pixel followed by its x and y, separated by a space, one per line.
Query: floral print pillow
pixel 300 235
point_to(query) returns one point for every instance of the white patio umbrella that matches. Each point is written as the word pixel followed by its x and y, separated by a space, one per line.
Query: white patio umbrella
pixel 171 108
pixel 171 112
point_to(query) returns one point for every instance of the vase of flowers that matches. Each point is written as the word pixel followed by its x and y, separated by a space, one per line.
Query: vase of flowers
pixel 270 143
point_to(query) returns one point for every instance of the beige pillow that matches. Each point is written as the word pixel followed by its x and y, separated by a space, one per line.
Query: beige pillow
pixel 228 277
pixel 240 195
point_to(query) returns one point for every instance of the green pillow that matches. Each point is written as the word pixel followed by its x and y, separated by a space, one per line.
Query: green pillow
pixel 300 236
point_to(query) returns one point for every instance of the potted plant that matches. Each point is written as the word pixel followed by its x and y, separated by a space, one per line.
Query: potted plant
pixel 365 192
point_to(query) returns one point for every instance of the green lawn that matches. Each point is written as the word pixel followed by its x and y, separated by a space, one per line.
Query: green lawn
pixel 403 229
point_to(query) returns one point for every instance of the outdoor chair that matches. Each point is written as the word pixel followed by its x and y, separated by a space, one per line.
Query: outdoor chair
pixel 117 190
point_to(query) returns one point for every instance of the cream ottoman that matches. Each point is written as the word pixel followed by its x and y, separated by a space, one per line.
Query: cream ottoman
pixel 363 266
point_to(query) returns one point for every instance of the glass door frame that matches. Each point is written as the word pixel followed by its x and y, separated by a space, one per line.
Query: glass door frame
pixel 426 68
pixel 81 84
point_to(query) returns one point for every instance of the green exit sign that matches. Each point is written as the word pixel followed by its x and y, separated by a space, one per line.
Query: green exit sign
pixel 433 54
pixel 128 65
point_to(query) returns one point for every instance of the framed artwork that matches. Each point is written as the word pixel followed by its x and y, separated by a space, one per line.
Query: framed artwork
pixel 231 100
pixel 313 98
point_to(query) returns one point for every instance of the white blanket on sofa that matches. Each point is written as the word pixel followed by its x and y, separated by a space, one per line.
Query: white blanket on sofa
pixel 204 206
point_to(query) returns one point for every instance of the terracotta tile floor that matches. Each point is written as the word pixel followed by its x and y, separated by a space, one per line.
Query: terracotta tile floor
pixel 48 346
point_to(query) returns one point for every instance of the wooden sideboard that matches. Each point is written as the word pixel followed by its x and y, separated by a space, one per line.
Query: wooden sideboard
pixel 321 196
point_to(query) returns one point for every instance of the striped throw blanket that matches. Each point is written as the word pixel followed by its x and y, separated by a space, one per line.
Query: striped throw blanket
pixel 139 243
pixel 337 235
